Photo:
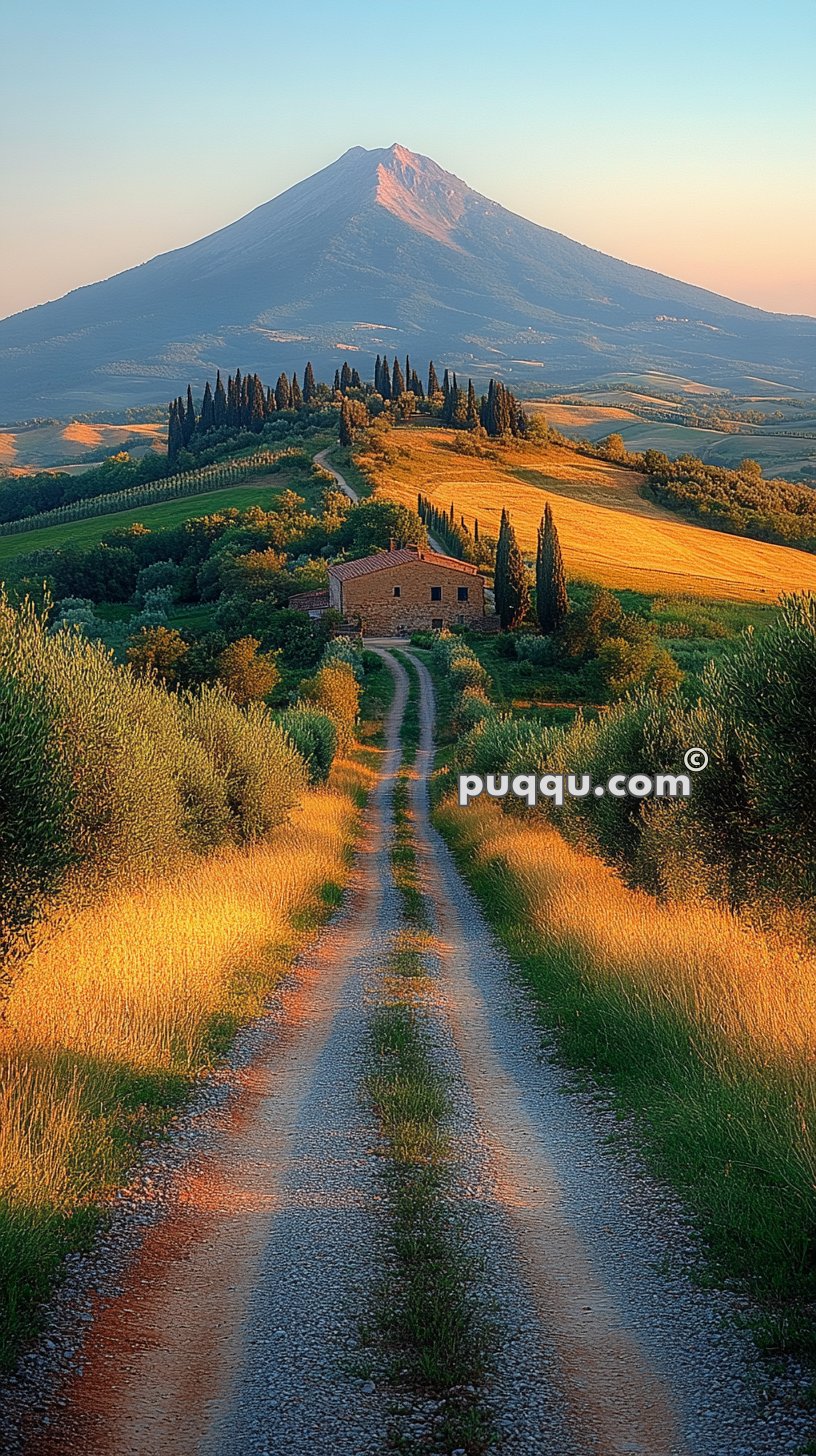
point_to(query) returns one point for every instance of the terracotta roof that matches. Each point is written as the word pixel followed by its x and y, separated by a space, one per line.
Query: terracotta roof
pixel 304 601
pixel 405 556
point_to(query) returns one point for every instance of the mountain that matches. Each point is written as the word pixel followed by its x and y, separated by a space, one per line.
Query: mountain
pixel 383 251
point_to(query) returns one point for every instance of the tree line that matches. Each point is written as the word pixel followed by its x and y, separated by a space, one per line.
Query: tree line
pixel 245 403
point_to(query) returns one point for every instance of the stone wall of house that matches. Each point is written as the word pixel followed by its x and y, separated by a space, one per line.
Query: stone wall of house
pixel 374 598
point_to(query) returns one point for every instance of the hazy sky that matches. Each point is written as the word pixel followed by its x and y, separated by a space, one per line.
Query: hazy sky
pixel 678 136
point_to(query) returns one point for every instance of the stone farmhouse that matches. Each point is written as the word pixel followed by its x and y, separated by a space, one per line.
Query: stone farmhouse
pixel 399 591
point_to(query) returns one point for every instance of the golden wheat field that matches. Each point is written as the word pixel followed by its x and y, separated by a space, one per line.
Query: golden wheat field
pixel 609 534
pixel 136 983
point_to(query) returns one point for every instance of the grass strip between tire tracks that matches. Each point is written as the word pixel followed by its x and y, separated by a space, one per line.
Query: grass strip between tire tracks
pixel 431 1323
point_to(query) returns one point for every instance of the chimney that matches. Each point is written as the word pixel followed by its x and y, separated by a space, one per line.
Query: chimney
pixel 391 543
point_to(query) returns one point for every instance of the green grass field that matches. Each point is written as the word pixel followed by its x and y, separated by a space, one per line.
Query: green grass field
pixel 168 513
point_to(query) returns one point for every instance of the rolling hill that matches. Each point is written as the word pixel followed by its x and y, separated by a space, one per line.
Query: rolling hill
pixel 382 250
pixel 609 534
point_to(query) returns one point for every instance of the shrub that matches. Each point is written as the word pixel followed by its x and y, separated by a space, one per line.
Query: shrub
pixel 157 651
pixel 263 773
pixel 334 690
pixel 246 673
pixel 472 708
pixel 119 738
pixel 540 651
pixel 314 735
pixel 466 671
pixel 501 744
pixel 158 575
pixel 344 649
pixel 35 808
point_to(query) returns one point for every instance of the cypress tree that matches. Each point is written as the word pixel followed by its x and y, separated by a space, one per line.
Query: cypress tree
pixel 408 372
pixel 283 396
pixel 174 431
pixel 476 528
pixel 309 386
pixel 238 394
pixel 188 419
pixel 231 415
pixel 552 603
pixel 500 569
pixel 257 408
pixel 397 381
pixel 345 435
pixel 271 406
pixel 458 405
pixel 433 382
pixel 472 413
pixel 206 418
pixel 297 397
pixel 377 372
pixel 247 387
pixel 219 403
pixel 446 385
pixel 337 381
pixel 345 377
pixel 385 378
pixel 517 599
pixel 356 381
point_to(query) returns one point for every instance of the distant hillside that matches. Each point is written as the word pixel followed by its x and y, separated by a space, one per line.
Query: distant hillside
pixel 382 251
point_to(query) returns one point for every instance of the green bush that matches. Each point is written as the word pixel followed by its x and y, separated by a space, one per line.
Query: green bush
pixel 314 735
pixel 472 708
pixel 263 773
pixel 348 650
pixel 35 808
pixel 500 744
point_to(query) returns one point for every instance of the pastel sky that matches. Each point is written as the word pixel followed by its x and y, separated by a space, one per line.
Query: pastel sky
pixel 678 136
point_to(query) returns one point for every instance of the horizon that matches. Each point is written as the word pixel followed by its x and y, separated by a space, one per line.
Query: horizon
pixel 700 182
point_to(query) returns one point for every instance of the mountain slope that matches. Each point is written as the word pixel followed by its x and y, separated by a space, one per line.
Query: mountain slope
pixel 382 250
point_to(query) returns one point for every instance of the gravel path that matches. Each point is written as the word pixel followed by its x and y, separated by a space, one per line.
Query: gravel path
pixel 234 1287
pixel 645 1358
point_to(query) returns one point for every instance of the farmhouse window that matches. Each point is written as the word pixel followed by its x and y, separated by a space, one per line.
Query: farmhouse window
pixel 436 593
pixel 397 591
pixel 462 593
pixel 436 624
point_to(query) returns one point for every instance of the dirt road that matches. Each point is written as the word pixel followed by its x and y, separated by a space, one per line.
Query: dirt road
pixel 241 1323
pixel 322 458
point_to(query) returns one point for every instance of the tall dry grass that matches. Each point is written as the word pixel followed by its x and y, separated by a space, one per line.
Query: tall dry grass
pixel 115 1011
pixel 704 1027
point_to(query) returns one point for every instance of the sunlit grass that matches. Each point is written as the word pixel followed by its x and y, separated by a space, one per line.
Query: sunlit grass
pixel 120 1008
pixel 705 1027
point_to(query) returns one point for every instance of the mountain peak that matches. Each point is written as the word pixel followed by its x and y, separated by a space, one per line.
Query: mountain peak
pixel 418 192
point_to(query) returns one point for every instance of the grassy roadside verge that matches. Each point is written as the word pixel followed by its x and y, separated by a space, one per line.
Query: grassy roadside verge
pixel 116 1016
pixel 698 1025
pixel 435 1333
